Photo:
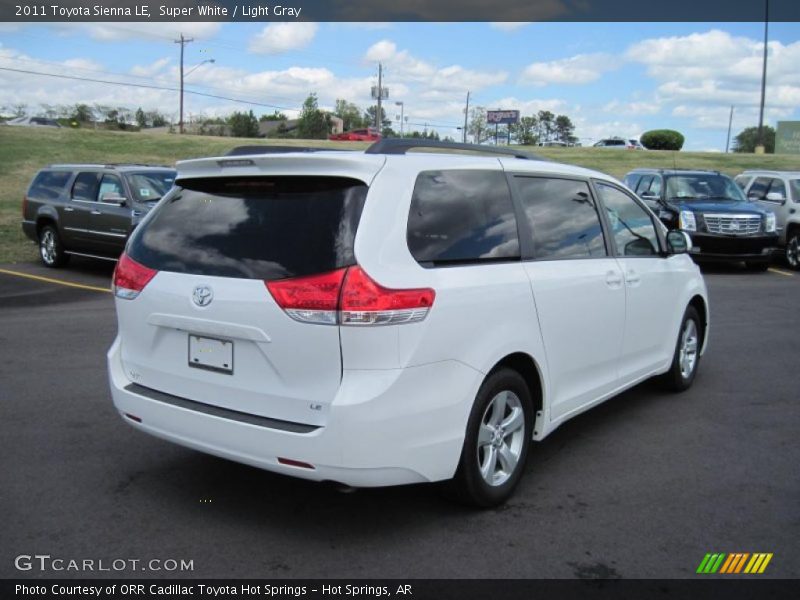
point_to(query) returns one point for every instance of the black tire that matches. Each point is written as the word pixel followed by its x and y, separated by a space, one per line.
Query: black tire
pixel 757 266
pixel 677 379
pixel 793 249
pixel 469 485
pixel 51 250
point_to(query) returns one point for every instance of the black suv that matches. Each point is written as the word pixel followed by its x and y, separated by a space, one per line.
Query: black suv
pixel 89 210
pixel 723 224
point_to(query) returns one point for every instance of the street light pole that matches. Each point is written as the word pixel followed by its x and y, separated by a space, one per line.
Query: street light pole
pixel 730 122
pixel 759 149
pixel 402 106
pixel 183 41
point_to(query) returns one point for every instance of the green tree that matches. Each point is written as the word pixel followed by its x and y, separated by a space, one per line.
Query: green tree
pixel 526 131
pixel 547 125
pixel 82 113
pixel 662 139
pixel 243 124
pixel 275 116
pixel 141 118
pixel 350 114
pixel 478 128
pixel 747 139
pixel 369 117
pixel 313 124
pixel 564 130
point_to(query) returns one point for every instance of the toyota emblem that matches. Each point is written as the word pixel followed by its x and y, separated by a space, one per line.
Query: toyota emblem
pixel 202 295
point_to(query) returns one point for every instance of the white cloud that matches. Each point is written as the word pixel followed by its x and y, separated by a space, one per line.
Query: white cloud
pixel 633 107
pixel 151 69
pixel 282 37
pixel 575 70
pixel 119 32
pixel 509 25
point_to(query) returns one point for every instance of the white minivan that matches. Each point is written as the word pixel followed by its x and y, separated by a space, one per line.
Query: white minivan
pixel 390 317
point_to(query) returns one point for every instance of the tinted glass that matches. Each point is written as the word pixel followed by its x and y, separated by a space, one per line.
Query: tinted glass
pixel 110 184
pixel 632 180
pixel 631 225
pixel 150 187
pixel 85 187
pixel 655 187
pixel 253 227
pixel 49 184
pixel 562 217
pixel 777 187
pixel 742 181
pixel 758 191
pixel 794 185
pixel 703 186
pixel 644 184
pixel 462 216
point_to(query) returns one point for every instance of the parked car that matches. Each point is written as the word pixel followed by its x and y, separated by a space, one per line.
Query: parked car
pixel 379 318
pixel 778 191
pixel 711 207
pixel 32 122
pixel 615 143
pixel 357 135
pixel 635 144
pixel 89 210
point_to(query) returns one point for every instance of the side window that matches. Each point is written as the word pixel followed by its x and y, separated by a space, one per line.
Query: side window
pixel 655 187
pixel 631 225
pixel 632 180
pixel 758 191
pixel 48 185
pixel 777 187
pixel 562 217
pixel 644 185
pixel 462 217
pixel 110 184
pixel 742 181
pixel 85 187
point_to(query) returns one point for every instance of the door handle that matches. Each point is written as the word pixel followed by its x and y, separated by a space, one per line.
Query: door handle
pixel 96 212
pixel 68 209
pixel 613 280
pixel 632 278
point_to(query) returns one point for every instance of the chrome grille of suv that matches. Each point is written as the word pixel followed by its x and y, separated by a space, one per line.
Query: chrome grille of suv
pixel 732 224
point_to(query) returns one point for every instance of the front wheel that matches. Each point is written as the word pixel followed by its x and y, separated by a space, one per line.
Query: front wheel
pixel 793 250
pixel 51 250
pixel 497 440
pixel 687 354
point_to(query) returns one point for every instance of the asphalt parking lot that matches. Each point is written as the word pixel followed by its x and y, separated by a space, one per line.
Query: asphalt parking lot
pixel 640 487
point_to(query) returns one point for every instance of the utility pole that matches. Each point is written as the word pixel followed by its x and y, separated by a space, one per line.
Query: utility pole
pixel 730 122
pixel 378 123
pixel 183 41
pixel 759 149
pixel 466 115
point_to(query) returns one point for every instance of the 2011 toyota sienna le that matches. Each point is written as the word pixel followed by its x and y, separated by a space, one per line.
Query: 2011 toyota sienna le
pixel 381 317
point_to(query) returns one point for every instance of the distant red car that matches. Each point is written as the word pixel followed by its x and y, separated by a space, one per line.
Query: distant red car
pixel 357 135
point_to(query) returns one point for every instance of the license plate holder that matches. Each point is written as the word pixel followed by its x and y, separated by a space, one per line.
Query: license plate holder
pixel 211 354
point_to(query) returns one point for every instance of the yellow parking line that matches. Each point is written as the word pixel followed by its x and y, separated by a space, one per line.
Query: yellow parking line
pixel 57 281
pixel 779 272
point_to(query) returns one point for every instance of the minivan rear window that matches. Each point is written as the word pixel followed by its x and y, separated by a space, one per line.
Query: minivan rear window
pixel 253 227
pixel 48 185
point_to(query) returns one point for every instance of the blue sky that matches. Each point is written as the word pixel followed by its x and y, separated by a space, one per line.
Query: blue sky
pixel 610 78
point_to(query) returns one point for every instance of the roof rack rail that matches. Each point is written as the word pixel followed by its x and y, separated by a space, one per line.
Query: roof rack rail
pixel 266 149
pixel 403 145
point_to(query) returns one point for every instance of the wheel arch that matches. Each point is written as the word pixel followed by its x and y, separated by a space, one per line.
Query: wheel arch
pixel 701 306
pixel 524 364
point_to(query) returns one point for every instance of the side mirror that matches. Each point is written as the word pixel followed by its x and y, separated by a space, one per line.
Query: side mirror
pixel 113 198
pixel 776 197
pixel 678 242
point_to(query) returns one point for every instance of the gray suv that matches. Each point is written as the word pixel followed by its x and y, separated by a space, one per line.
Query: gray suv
pixel 89 210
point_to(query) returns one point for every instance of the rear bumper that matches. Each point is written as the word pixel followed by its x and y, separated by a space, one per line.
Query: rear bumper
pixel 733 248
pixel 385 427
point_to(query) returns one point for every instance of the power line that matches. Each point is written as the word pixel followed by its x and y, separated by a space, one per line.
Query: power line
pixel 148 86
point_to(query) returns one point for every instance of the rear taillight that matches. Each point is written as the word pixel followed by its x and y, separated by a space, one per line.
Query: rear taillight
pixel 349 297
pixel 313 299
pixel 130 277
pixel 365 302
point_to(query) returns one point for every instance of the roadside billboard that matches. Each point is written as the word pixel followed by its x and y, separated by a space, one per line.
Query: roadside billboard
pixel 787 137
pixel 502 117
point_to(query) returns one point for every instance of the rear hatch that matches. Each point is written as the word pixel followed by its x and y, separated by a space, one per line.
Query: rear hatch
pixel 205 326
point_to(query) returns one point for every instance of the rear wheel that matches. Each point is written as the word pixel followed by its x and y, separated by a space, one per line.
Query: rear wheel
pixel 51 250
pixel 687 354
pixel 793 249
pixel 497 440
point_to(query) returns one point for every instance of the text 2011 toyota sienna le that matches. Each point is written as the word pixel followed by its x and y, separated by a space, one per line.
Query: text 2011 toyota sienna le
pixel 385 318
